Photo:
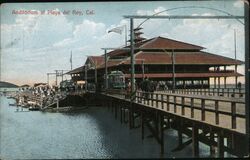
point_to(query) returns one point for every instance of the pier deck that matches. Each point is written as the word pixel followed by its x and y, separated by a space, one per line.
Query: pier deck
pixel 212 120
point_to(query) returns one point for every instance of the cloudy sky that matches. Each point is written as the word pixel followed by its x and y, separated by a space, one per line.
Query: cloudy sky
pixel 34 44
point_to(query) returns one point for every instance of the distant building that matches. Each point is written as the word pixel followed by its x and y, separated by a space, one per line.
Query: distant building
pixel 193 67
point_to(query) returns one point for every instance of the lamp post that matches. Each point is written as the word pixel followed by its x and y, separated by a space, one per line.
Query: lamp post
pixel 106 70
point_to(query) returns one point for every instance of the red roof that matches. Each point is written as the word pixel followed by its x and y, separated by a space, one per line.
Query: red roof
pixel 184 75
pixel 76 70
pixel 165 43
pixel 111 63
pixel 194 58
pixel 97 60
pixel 159 43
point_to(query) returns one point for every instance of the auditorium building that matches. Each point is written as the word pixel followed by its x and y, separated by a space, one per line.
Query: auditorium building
pixel 162 59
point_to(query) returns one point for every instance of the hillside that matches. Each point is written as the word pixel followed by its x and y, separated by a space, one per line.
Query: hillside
pixel 7 85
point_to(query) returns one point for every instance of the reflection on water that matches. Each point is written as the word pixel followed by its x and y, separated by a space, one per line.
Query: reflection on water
pixel 92 133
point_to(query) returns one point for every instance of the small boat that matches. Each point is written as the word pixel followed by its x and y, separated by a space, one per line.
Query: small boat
pixel 12 104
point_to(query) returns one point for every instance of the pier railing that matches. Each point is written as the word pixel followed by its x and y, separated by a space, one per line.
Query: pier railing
pixel 223 111
pixel 225 92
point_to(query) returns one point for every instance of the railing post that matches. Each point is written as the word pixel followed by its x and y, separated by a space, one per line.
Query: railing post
pixel 168 103
pixel 192 107
pixel 162 103
pixel 216 112
pixel 174 104
pixel 233 115
pixel 203 109
pixel 182 106
pixel 157 100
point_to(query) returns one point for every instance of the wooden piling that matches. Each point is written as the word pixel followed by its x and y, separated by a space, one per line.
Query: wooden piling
pixel 162 133
pixel 115 106
pixel 212 148
pixel 142 126
pixel 180 128
pixel 195 144
pixel 220 144
pixel 121 113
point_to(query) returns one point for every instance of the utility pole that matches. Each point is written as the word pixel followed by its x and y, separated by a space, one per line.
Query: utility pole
pixel 173 72
pixel 235 51
pixel 132 55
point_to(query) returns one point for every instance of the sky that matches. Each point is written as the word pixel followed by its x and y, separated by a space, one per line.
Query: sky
pixel 42 40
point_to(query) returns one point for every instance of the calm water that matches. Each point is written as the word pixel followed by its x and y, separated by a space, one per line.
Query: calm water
pixel 93 133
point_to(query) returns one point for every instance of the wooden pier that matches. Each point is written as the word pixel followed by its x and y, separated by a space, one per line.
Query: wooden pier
pixel 218 122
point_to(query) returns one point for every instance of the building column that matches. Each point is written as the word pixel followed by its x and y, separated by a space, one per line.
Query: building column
pixel 208 82
pixel 236 81
pixel 214 82
pixel 218 82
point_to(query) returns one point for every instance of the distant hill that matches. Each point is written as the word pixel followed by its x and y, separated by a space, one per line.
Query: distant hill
pixel 7 85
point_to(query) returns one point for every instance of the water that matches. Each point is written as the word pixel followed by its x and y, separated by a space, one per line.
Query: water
pixel 2 89
pixel 92 133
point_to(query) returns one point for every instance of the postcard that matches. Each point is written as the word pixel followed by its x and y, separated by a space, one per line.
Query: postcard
pixel 132 79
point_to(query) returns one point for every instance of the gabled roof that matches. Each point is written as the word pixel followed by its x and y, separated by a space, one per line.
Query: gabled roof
pixel 163 43
pixel 96 60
